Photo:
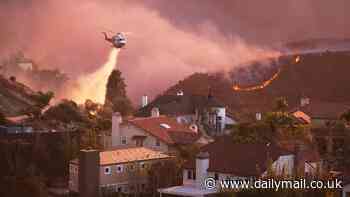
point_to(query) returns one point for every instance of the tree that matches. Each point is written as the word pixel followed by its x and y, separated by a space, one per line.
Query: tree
pixel 281 104
pixel 164 174
pixel 66 111
pixel 3 120
pixel 90 140
pixel 44 99
pixel 251 133
pixel 116 97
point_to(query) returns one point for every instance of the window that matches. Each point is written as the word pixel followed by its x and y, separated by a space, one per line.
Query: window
pixel 107 170
pixel 123 140
pixel 119 168
pixel 143 165
pixel 189 174
pixel 131 167
pixel 157 142
pixel 119 189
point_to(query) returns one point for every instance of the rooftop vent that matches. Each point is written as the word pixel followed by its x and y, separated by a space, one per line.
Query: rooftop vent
pixel 165 126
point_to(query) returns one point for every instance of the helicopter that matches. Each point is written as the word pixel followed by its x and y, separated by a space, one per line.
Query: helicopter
pixel 118 40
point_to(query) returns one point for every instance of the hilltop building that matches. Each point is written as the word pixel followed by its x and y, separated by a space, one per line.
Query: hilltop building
pixel 198 109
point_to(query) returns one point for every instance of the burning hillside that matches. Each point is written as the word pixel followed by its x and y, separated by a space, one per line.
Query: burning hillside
pixel 321 76
pixel 265 83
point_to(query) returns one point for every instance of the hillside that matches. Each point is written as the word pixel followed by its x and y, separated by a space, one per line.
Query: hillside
pixel 14 97
pixel 319 76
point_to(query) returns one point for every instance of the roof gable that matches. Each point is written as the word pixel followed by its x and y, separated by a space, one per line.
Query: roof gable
pixel 166 129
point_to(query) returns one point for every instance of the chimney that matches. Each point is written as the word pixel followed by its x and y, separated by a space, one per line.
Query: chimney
pixel 304 101
pixel 89 173
pixel 116 132
pixel 144 101
pixel 258 116
pixel 202 165
pixel 155 112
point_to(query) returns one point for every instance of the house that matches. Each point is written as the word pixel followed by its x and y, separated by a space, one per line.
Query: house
pixel 118 170
pixel 156 132
pixel 319 113
pixel 206 110
pixel 242 161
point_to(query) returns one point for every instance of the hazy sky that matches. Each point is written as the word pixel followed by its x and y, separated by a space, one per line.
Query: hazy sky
pixel 168 39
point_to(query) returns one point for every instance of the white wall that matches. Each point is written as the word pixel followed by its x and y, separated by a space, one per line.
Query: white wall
pixel 129 130
pixel 221 112
pixel 116 123
pixel 202 166
pixel 284 165
pixel 230 121
pixel 185 119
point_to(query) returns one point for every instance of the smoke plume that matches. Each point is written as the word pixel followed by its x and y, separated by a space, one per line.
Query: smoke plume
pixel 93 86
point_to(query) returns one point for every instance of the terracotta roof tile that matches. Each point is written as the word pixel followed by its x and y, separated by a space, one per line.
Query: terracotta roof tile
pixel 126 155
pixel 166 129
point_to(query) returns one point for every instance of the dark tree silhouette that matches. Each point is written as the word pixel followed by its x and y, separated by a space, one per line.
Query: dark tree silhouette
pixel 3 120
pixel 66 111
pixel 116 96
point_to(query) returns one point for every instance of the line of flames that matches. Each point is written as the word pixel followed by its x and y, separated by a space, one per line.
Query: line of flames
pixel 265 83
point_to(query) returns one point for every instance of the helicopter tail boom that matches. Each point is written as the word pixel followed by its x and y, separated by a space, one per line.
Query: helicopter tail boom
pixel 106 37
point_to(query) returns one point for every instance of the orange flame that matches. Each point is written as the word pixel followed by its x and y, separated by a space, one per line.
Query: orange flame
pixel 258 87
pixel 297 59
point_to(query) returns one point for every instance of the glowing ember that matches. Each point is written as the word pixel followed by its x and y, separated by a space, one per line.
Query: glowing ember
pixel 93 86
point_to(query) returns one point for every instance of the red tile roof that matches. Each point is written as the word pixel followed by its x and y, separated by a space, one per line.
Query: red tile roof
pixel 176 133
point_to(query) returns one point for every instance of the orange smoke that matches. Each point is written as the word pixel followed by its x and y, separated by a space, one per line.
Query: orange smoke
pixel 93 86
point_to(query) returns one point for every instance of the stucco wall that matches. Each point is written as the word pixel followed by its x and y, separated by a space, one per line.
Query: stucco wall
pixel 129 131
